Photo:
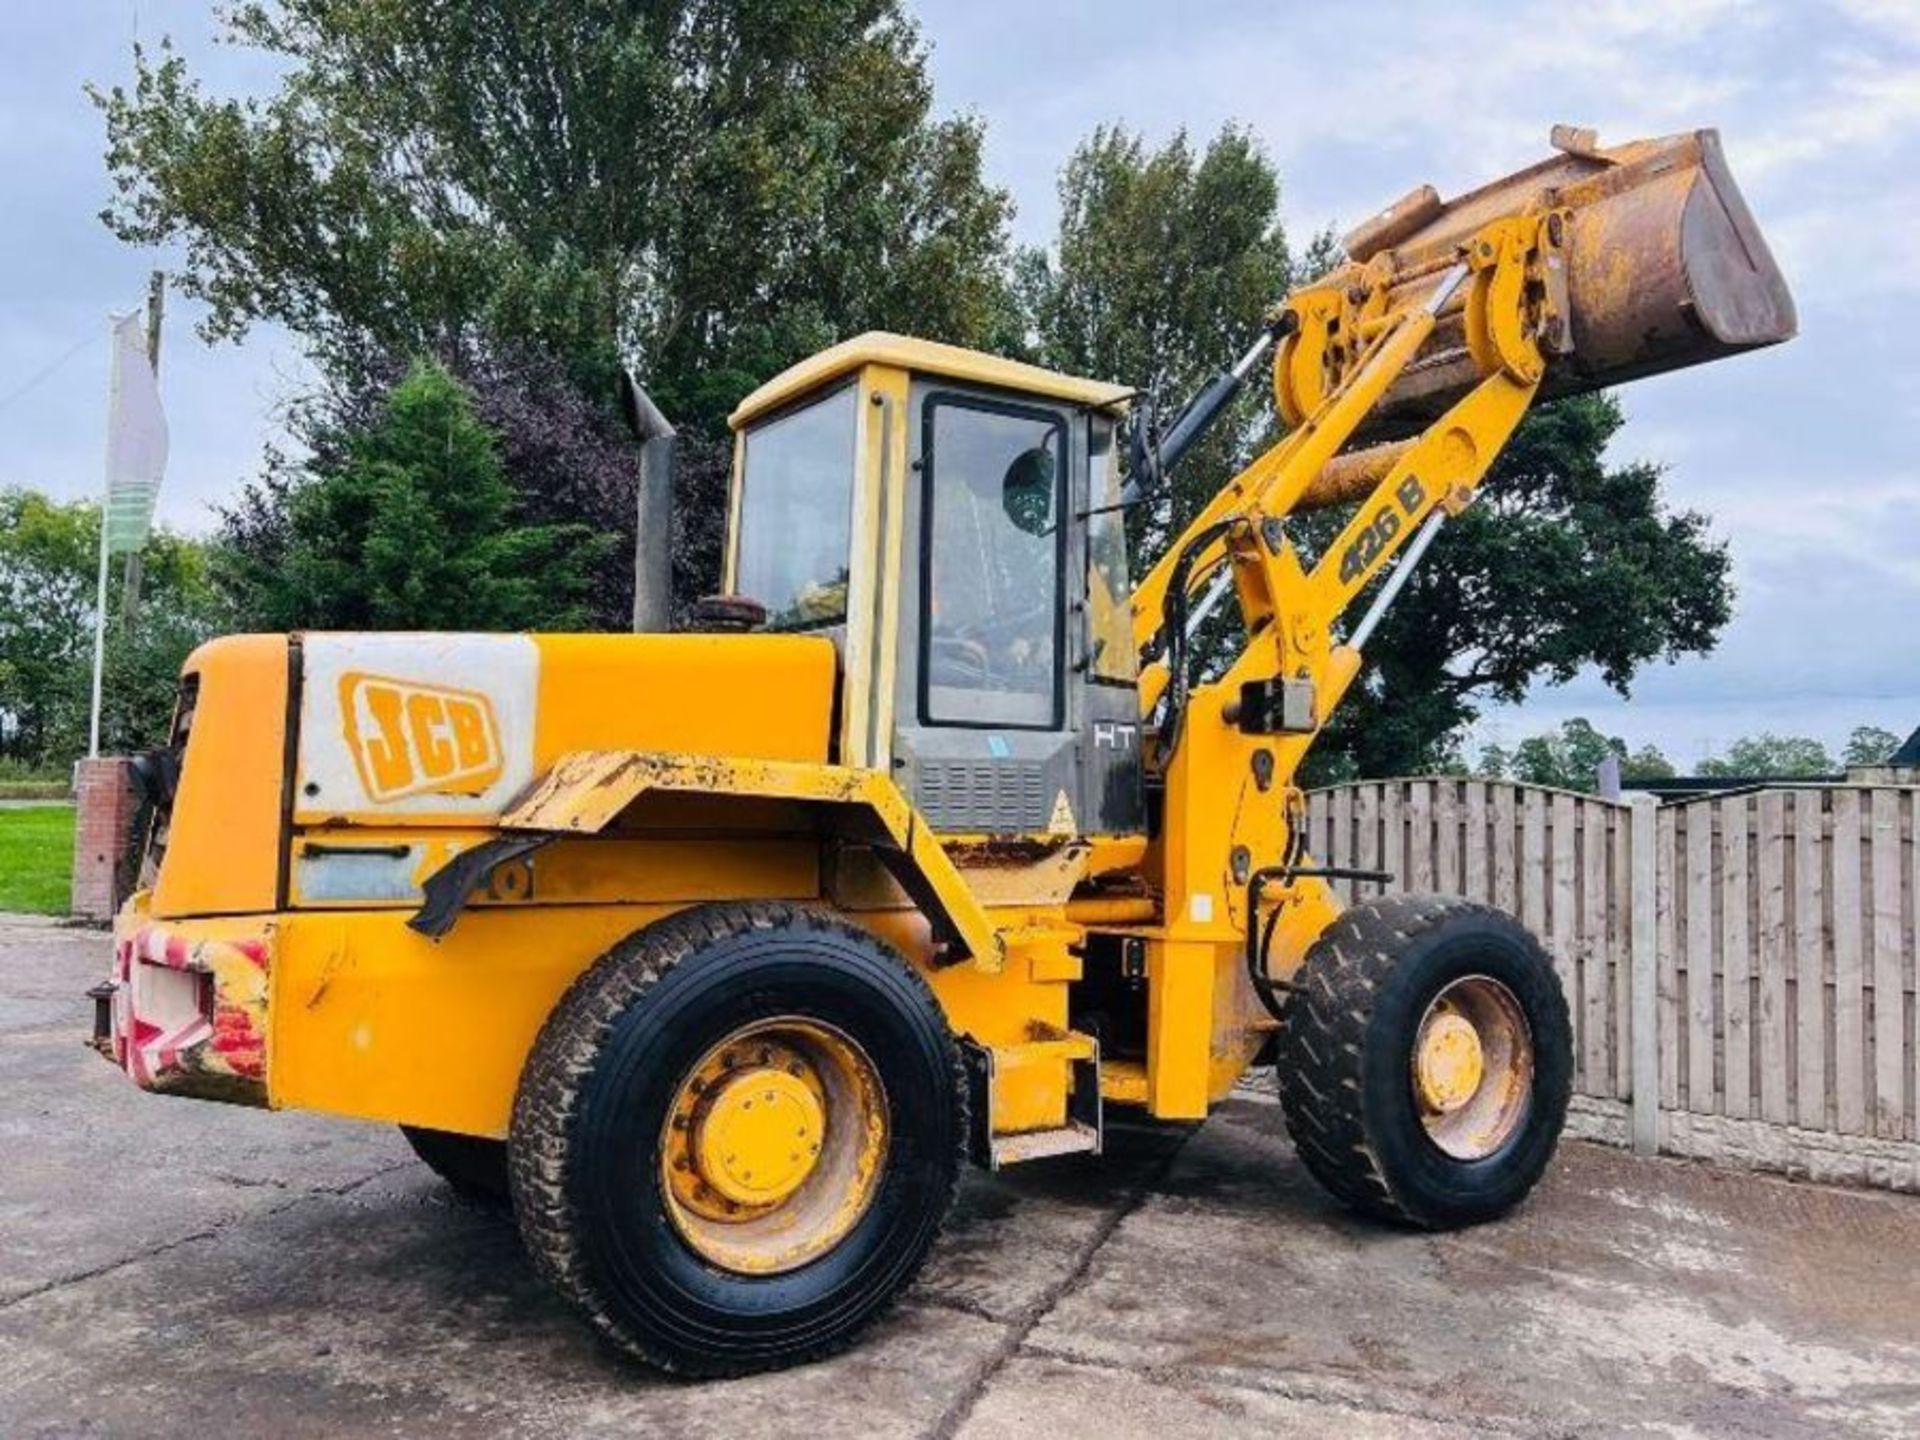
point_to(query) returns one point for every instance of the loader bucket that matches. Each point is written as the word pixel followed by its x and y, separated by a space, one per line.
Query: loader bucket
pixel 1666 268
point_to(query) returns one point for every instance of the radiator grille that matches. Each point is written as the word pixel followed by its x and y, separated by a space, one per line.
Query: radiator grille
pixel 995 796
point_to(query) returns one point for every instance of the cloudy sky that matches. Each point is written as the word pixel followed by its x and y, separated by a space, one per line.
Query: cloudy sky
pixel 1805 456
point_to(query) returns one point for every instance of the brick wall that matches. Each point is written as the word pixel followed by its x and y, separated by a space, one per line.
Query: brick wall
pixel 104 808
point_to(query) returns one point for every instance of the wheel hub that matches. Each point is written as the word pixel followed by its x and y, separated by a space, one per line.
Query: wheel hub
pixel 774 1146
pixel 1450 1064
pixel 758 1137
pixel 1472 1067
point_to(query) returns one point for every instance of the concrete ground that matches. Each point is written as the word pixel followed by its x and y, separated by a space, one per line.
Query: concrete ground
pixel 172 1268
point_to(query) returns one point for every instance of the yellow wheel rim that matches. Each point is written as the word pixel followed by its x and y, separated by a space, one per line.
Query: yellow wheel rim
pixel 1472 1067
pixel 774 1145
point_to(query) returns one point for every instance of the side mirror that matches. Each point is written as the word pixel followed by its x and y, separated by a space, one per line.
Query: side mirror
pixel 1027 490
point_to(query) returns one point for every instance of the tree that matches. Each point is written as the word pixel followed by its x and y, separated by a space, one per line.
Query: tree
pixel 1563 564
pixel 1164 264
pixel 1869 745
pixel 1571 757
pixel 48 578
pixel 707 189
pixel 567 460
pixel 1767 754
pixel 1494 762
pixel 408 523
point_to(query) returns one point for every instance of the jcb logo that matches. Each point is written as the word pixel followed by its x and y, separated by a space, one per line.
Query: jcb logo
pixel 410 739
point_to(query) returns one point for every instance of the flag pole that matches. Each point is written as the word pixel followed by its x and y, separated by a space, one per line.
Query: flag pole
pixel 99 638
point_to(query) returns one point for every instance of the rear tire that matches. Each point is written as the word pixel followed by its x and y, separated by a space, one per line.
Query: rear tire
pixel 1355 1024
pixel 475 1167
pixel 616 1114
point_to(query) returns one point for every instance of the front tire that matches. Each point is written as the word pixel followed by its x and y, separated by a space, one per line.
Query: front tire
pixel 701 1234
pixel 1425 1060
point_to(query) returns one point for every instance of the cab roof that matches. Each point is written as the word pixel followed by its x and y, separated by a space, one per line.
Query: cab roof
pixel 923 357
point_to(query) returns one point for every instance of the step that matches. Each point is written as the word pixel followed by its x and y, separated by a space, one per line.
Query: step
pixel 1073 1138
pixel 1081 1133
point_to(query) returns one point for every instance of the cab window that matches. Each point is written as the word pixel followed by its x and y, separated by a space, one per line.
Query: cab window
pixel 1110 652
pixel 796 513
pixel 995 487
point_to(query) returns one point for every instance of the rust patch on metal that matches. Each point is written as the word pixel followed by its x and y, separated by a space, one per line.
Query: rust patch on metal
pixel 1009 851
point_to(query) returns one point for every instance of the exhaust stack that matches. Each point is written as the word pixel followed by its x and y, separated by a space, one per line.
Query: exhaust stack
pixel 653 532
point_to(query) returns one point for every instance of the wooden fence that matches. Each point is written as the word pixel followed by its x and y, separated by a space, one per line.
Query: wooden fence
pixel 1759 947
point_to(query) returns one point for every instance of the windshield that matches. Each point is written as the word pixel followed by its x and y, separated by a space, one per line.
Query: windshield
pixel 796 513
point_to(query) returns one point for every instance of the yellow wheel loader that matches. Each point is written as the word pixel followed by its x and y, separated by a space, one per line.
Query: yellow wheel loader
pixel 721 953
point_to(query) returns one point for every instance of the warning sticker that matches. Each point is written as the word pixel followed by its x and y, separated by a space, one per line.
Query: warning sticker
pixel 1062 822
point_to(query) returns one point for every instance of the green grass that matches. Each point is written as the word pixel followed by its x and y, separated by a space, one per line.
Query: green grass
pixel 36 858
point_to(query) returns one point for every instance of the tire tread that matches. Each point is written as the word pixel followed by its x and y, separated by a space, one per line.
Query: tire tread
pixel 1321 1048
pixel 548 1100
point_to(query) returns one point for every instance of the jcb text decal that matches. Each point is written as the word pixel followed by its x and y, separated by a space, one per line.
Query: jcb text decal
pixel 413 739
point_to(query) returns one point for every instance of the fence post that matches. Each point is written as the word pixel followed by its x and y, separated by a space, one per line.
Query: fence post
pixel 1644 994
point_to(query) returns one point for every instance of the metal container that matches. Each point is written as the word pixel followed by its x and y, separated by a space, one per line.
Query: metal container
pixel 1666 268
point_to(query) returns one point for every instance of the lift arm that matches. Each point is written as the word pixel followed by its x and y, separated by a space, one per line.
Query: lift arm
pixel 1401 376
pixel 1240 536
pixel 1591 268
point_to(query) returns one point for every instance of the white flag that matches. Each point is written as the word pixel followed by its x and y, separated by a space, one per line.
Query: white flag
pixel 136 439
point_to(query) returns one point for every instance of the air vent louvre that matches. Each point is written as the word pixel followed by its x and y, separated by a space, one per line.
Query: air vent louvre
pixel 993 796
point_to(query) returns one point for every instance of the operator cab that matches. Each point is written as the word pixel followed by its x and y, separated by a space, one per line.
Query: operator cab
pixel 943 516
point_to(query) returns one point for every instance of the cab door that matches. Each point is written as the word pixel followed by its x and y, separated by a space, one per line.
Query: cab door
pixel 987 716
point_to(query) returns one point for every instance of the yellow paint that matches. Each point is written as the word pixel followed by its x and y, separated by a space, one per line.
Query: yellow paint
pixel 669 692
pixel 760 1137
pixel 699 864
pixel 1449 1063
pixel 768 696
pixel 680 769
pixel 584 792
pixel 1123 1082
pixel 921 357
pixel 369 1019
pixel 224 847
pixel 866 711
pixel 773 1148
pixel 1180 986
pixel 420 739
